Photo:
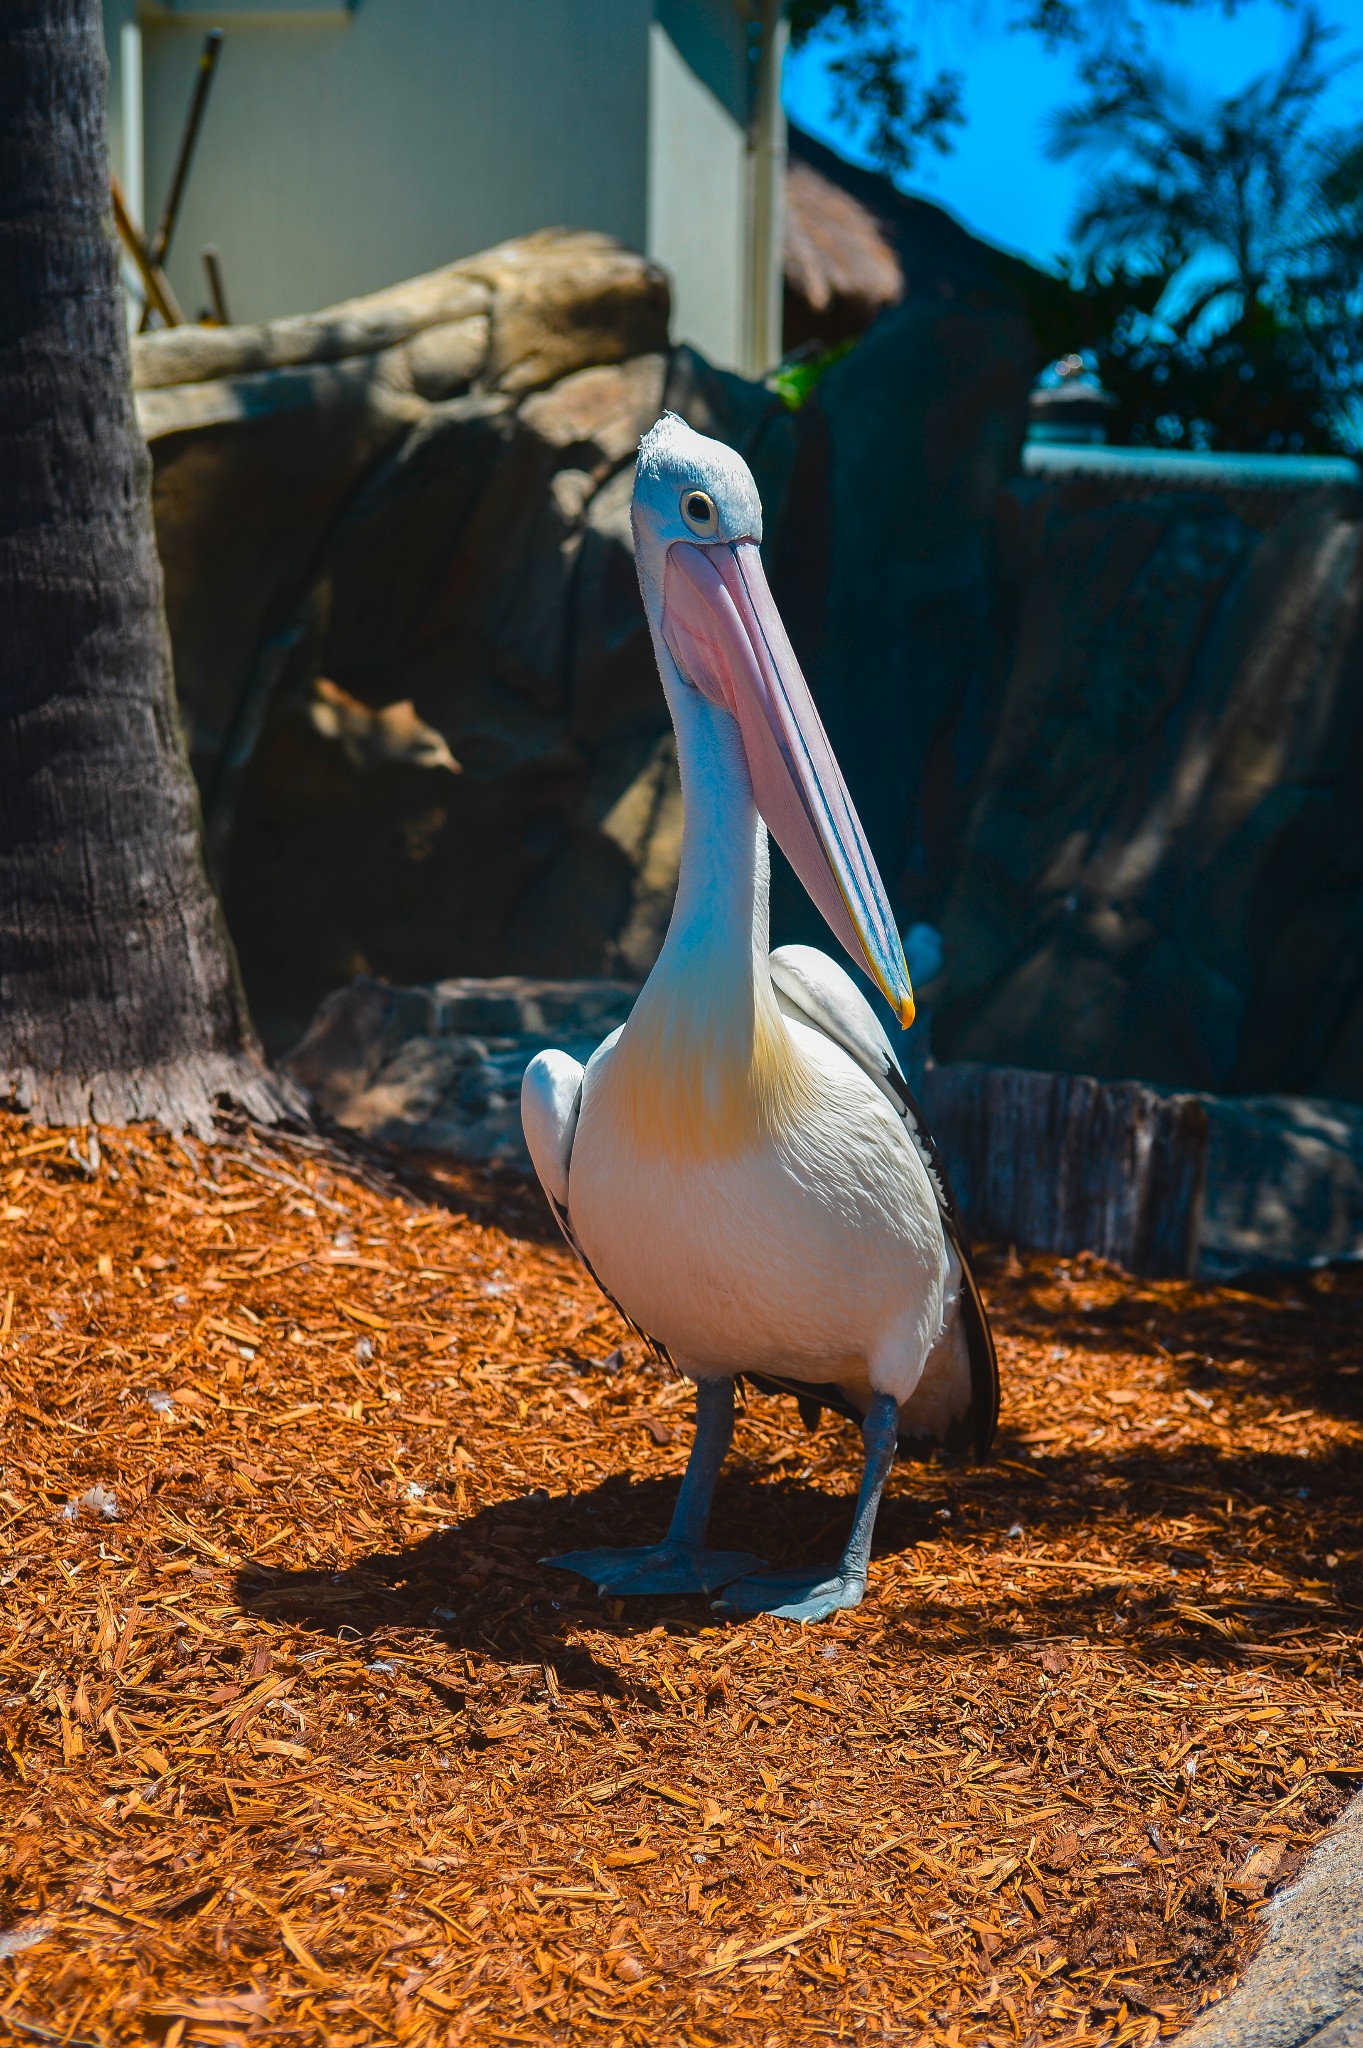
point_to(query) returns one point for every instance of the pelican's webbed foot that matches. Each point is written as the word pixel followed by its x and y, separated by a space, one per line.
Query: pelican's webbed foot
pixel 808 1593
pixel 816 1591
pixel 681 1563
pixel 666 1567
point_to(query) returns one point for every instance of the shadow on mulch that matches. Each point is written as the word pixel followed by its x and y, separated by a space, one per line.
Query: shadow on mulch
pixel 486 1191
pixel 1282 1334
pixel 480 1585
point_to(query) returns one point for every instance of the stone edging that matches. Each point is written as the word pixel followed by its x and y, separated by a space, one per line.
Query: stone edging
pixel 1304 1988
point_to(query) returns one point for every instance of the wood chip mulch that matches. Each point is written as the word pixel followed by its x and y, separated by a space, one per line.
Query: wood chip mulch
pixel 300 1744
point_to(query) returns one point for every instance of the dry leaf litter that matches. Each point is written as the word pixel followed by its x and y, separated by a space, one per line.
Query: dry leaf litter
pixel 299 1743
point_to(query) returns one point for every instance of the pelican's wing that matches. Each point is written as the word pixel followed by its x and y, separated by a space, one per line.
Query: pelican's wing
pixel 817 991
pixel 551 1102
pixel 551 1099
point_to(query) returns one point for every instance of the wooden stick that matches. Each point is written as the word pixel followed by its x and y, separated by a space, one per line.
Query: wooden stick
pixel 159 293
pixel 179 177
pixel 170 213
pixel 217 295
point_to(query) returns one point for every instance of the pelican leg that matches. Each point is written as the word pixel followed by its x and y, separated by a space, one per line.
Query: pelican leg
pixel 680 1563
pixel 814 1592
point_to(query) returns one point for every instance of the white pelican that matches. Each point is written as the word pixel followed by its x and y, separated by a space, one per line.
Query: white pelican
pixel 741 1166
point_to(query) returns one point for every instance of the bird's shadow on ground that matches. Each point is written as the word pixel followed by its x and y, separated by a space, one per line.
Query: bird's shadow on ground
pixel 1288 1336
pixel 481 1584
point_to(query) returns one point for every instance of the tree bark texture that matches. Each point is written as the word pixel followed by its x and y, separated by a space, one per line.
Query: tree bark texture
pixel 119 995
pixel 1064 1163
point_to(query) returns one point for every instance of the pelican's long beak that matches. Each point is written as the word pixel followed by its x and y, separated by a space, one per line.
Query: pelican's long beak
pixel 725 633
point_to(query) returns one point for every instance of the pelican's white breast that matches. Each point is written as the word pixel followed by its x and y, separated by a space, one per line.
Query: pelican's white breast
pixel 805 1242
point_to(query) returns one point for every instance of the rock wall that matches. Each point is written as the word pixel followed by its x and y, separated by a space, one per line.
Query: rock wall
pixel 1160 1185
pixel 1163 875
pixel 1107 736
pixel 413 665
pixel 414 668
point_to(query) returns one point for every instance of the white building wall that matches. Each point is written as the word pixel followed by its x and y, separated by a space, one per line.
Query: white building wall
pixel 345 148
pixel 343 153
pixel 699 89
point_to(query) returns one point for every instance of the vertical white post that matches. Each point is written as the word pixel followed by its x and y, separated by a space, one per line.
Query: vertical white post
pixel 133 171
pixel 767 197
pixel 134 183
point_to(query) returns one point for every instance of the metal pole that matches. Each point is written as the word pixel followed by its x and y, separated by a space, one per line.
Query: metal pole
pixel 130 93
pixel 130 82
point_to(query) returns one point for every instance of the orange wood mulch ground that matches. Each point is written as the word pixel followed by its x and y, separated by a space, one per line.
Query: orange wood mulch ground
pixel 299 1743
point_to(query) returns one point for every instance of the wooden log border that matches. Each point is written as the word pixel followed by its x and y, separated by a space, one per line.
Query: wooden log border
pixel 1066 1163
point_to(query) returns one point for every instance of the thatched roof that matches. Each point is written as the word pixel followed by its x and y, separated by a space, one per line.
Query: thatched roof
pixel 841 265
pixel 855 244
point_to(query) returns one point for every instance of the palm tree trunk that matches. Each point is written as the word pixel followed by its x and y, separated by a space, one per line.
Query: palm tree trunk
pixel 119 995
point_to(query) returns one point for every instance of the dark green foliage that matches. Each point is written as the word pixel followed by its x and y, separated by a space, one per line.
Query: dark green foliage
pixel 878 94
pixel 1258 389
pixel 1219 246
pixel 890 107
pixel 1219 251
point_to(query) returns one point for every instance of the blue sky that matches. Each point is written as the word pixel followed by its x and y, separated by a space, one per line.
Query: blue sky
pixel 997 181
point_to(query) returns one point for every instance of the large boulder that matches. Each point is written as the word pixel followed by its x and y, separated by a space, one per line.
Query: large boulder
pixel 924 424
pixel 887 563
pixel 438 1069
pixel 1103 727
pixel 1103 721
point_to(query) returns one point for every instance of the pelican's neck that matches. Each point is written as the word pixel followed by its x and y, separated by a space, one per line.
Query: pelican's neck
pixel 704 1068
pixel 718 931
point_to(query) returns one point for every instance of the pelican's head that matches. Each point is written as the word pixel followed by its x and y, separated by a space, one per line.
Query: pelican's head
pixel 697 529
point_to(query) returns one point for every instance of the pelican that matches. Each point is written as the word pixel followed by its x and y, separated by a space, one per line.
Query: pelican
pixel 741 1166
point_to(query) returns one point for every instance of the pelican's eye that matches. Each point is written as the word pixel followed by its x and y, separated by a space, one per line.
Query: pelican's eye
pixel 698 510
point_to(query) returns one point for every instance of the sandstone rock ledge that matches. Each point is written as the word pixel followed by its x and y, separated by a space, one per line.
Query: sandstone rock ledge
pixel 439 1069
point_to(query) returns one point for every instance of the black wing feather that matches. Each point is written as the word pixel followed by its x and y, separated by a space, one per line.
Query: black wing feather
pixel 982 1418
pixel 975 1430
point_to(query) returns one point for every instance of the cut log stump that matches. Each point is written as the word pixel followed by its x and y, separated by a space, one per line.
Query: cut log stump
pixel 1064 1163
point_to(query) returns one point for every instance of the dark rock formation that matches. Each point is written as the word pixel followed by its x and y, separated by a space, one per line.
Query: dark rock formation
pixel 414 666
pixel 439 1068
pixel 1284 1183
pixel 1163 664
pixel 1103 728
pixel 887 562
pixel 924 424
pixel 1164 871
